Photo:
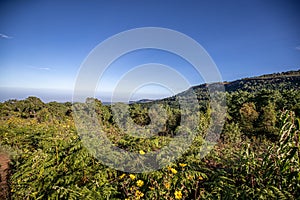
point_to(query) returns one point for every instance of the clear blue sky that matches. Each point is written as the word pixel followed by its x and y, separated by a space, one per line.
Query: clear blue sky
pixel 43 43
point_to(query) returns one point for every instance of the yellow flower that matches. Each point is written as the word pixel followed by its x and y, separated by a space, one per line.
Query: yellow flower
pixel 140 183
pixel 167 185
pixel 200 178
pixel 132 176
pixel 182 164
pixel 174 171
pixel 178 194
pixel 139 194
pixel 142 152
pixel 122 176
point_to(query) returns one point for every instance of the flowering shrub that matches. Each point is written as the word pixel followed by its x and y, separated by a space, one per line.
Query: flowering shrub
pixel 50 162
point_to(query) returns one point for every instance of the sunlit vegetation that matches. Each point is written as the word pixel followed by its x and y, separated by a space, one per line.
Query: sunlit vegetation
pixel 256 157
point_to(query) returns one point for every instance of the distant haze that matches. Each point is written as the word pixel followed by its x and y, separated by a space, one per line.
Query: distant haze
pixel 48 95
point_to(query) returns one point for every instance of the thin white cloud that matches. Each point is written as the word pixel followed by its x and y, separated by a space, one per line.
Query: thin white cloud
pixel 41 68
pixel 298 48
pixel 5 36
pixel 44 68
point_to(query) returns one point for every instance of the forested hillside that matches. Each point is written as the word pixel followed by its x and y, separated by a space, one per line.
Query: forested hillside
pixel 256 157
pixel 252 103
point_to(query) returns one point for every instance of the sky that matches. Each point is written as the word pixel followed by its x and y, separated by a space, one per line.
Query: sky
pixel 43 44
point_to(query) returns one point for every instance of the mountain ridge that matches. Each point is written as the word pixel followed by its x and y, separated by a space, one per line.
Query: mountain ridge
pixel 275 81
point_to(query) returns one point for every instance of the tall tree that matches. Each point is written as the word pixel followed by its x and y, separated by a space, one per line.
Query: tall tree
pixel 249 115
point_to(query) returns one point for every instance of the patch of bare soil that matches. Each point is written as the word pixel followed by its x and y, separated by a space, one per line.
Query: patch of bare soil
pixel 4 170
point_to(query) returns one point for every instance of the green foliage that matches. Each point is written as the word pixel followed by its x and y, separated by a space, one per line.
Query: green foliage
pixel 51 163
pixel 258 156
pixel 232 133
pixel 249 115
pixel 267 120
pixel 260 169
